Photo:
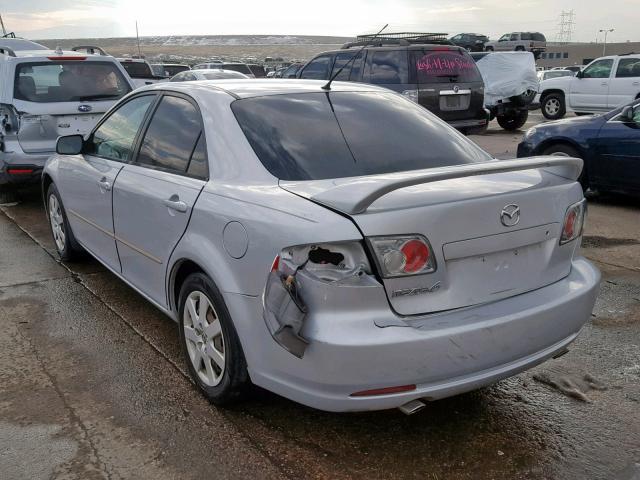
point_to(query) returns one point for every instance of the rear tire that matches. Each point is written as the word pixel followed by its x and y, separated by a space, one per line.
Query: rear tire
pixel 553 106
pixel 513 120
pixel 65 242
pixel 488 49
pixel 563 150
pixel 210 343
pixel 519 48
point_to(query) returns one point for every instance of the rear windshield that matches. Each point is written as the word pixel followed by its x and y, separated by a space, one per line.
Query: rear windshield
pixel 171 70
pixel 237 67
pixel 68 81
pixel 137 69
pixel 445 66
pixel 258 71
pixel 316 136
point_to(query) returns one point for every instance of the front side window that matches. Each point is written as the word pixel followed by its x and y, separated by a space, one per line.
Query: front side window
pixel 514 37
pixel 318 69
pixel 598 69
pixel 389 67
pixel 628 67
pixel 113 139
pixel 316 136
pixel 505 37
pixel 171 136
pixel 69 81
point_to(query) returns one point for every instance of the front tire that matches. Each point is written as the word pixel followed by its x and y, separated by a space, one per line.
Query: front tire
pixel 65 242
pixel 488 49
pixel 209 341
pixel 563 150
pixel 553 106
pixel 513 120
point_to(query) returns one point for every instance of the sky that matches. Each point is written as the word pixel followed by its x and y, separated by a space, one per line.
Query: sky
pixel 42 19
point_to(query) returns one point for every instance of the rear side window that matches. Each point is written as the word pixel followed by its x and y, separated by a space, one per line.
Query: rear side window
pixel 628 67
pixel 69 81
pixel 388 67
pixel 445 66
pixel 113 139
pixel 171 136
pixel 317 69
pixel 343 134
pixel 137 69
pixel 538 37
pixel 352 66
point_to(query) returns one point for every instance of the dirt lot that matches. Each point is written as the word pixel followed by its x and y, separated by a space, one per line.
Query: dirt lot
pixel 92 385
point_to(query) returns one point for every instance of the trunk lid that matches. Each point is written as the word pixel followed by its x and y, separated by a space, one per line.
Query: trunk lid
pixel 478 258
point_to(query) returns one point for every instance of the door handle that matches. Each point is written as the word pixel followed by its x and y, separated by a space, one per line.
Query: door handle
pixel 105 186
pixel 603 83
pixel 636 83
pixel 174 203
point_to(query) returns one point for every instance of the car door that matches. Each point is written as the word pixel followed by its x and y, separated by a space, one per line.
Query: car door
pixel 86 181
pixel 618 152
pixel 154 194
pixel 504 42
pixel 589 91
pixel 625 84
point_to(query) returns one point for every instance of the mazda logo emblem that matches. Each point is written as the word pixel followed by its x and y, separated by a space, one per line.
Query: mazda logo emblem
pixel 84 108
pixel 510 215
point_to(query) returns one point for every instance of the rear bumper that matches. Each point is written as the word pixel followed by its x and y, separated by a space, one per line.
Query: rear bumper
pixel 443 355
pixel 474 122
pixel 21 168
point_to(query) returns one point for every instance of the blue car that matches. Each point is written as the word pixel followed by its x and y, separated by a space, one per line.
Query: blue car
pixel 609 144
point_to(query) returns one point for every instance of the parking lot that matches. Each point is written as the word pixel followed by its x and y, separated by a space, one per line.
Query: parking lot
pixel 94 384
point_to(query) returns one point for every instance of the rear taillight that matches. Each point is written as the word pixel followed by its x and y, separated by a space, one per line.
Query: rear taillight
pixel 403 255
pixel 573 222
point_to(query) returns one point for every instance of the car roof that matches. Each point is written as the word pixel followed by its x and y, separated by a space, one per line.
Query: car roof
pixel 260 87
pixel 21 44
pixel 47 54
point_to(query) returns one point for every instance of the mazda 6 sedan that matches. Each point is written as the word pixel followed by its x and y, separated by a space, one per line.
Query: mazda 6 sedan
pixel 338 245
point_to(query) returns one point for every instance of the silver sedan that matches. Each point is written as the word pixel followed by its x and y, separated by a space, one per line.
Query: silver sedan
pixel 206 74
pixel 336 244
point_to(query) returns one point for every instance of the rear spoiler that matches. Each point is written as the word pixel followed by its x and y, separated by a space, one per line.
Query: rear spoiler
pixel 354 195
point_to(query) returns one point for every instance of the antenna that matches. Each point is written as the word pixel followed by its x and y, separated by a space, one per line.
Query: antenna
pixel 4 30
pixel 138 40
pixel 328 84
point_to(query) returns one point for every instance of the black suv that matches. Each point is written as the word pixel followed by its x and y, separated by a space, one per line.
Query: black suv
pixel 441 77
pixel 471 41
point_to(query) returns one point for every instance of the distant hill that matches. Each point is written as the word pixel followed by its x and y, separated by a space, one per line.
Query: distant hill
pixel 195 48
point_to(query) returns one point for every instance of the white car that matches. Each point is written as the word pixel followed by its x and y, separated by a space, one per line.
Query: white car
pixel 206 74
pixel 604 84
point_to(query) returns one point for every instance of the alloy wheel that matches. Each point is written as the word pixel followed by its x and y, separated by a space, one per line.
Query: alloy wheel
pixel 57 223
pixel 552 106
pixel 204 338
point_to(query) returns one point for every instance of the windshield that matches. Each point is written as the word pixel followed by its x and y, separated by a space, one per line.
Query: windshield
pixel 68 81
pixel 316 136
pixel 445 66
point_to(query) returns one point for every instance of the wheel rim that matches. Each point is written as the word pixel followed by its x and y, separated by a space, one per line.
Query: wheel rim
pixel 57 223
pixel 204 338
pixel 552 106
pixel 560 154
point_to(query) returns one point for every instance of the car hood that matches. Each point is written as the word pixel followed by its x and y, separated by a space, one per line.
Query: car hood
pixel 558 82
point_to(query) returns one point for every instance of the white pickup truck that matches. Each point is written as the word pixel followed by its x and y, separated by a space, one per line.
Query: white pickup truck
pixel 601 86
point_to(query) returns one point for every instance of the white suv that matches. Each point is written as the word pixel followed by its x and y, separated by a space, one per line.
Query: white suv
pixel 45 94
pixel 603 85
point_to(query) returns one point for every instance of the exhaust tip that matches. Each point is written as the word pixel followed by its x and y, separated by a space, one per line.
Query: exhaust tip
pixel 414 406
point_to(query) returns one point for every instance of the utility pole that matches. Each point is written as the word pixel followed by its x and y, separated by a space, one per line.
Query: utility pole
pixel 566 26
pixel 604 45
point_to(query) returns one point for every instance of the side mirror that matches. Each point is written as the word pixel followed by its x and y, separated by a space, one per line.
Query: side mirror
pixel 70 145
pixel 579 74
pixel 627 114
